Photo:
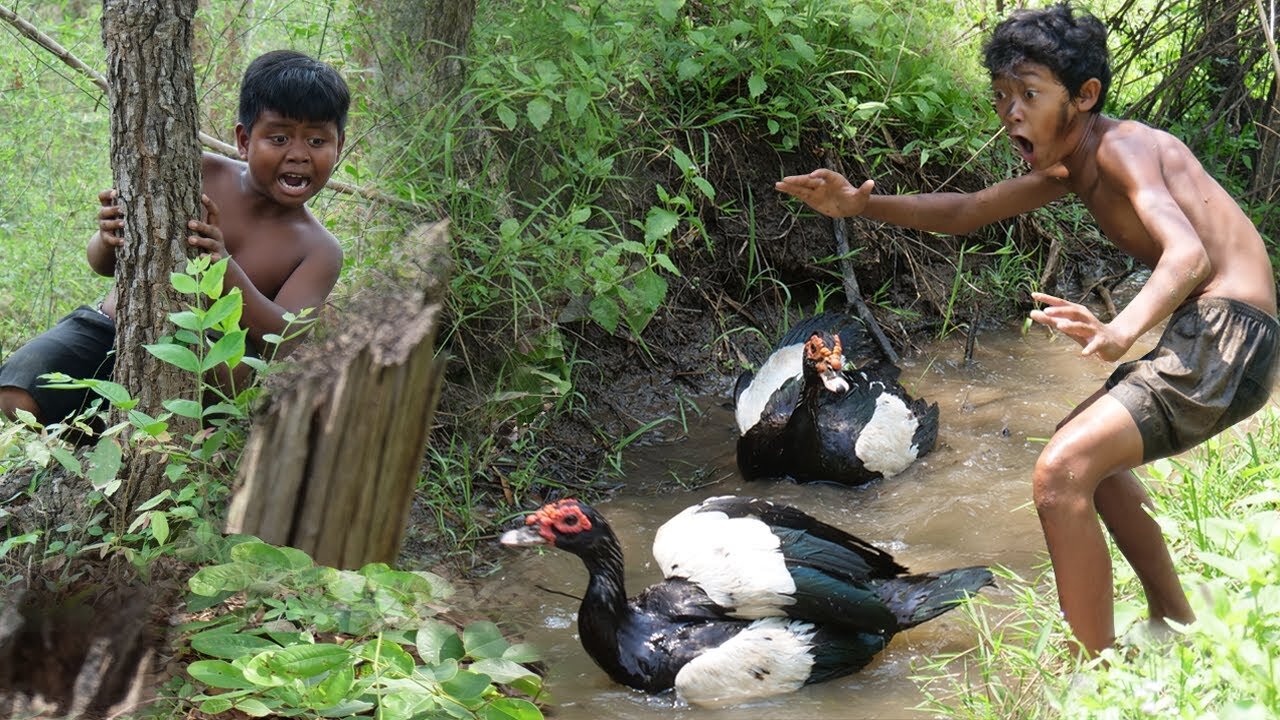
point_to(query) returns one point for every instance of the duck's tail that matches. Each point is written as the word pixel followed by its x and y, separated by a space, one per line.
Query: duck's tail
pixel 915 599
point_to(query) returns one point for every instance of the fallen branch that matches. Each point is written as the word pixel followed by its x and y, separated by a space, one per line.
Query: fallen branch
pixel 33 33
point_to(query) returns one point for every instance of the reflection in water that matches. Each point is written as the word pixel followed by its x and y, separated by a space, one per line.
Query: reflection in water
pixel 967 503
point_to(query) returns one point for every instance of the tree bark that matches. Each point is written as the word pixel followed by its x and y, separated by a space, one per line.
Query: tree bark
pixel 155 160
pixel 421 46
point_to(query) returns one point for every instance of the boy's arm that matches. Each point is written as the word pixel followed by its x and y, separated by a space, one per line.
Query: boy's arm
pixel 307 286
pixel 831 194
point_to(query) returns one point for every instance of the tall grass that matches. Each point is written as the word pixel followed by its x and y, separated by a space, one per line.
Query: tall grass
pixel 1220 509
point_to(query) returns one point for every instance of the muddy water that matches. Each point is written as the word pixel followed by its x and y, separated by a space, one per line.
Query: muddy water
pixel 967 503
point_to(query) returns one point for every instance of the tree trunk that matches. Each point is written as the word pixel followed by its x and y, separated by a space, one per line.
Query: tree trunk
pixel 420 46
pixel 155 159
pixel 1265 185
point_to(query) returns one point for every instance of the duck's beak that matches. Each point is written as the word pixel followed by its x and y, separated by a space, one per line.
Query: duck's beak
pixel 526 536
pixel 834 381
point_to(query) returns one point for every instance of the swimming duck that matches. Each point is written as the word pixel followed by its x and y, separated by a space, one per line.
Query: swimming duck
pixel 811 415
pixel 759 599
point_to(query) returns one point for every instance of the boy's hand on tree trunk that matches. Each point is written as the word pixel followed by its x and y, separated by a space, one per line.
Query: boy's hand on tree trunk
pixel 208 237
pixel 110 218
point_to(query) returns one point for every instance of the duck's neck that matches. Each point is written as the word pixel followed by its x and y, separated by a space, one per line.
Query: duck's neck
pixel 604 607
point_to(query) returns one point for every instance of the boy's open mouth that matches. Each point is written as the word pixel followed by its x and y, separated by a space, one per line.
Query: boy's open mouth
pixel 1024 146
pixel 294 182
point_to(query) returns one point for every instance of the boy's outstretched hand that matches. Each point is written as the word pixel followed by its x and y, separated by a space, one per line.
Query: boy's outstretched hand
pixel 828 192
pixel 1079 323
pixel 208 237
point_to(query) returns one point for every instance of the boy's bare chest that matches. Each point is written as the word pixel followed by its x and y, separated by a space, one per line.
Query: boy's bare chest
pixel 1118 221
pixel 267 252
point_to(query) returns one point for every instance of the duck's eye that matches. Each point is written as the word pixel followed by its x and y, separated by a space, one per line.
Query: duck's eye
pixel 571 521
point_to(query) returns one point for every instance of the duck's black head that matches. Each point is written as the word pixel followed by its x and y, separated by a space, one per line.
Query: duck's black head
pixel 567 524
pixel 823 362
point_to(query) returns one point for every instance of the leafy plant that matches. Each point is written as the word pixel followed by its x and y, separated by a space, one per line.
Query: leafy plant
pixel 317 641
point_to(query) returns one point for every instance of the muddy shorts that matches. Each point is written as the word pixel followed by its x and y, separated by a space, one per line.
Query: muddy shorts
pixel 79 345
pixel 1213 367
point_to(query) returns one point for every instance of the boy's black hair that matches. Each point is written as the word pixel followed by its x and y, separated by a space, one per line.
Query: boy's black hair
pixel 296 86
pixel 1073 46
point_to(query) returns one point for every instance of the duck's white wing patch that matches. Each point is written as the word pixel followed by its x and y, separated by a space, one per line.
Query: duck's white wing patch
pixel 885 444
pixel 736 561
pixel 771 657
pixel 784 364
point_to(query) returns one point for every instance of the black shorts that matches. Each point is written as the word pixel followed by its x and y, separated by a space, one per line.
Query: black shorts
pixel 80 345
pixel 1213 367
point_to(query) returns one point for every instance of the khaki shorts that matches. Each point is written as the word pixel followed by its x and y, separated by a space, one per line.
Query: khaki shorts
pixel 1213 367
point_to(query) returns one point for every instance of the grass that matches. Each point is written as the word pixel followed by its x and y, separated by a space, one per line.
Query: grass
pixel 1220 509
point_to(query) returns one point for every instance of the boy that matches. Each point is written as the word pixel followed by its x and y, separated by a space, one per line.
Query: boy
pixel 1210 276
pixel 292 118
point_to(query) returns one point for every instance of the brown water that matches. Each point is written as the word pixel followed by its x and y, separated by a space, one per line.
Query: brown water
pixel 967 503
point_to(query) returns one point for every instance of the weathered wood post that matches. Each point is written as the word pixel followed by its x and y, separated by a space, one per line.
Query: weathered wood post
pixel 331 465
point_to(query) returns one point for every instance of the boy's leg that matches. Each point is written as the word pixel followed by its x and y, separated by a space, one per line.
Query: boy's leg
pixel 1122 502
pixel 1099 440
pixel 15 398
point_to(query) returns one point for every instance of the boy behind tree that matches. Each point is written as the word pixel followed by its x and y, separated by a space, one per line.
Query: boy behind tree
pixel 290 132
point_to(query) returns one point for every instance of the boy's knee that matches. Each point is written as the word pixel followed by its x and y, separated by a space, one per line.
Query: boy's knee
pixel 13 399
pixel 1056 482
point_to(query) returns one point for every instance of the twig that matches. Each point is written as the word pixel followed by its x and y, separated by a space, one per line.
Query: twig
pixel 851 291
pixel 33 33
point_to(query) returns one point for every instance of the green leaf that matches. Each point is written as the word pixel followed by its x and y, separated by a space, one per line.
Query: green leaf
pixel 253 706
pixel 801 47
pixel 669 10
pixel 467 687
pixel 224 313
pixel 507 116
pixel 308 661
pixel 436 642
pixel 704 187
pixel 215 706
pixel 227 645
pixel 261 554
pixel 219 674
pixel 184 284
pixel 183 408
pixel 66 459
pixel 159 526
pixel 576 102
pixel 114 393
pixel 105 461
pixel 659 223
pixel 539 112
pixel 522 653
pixel 186 319
pixel 665 263
pixel 605 311
pixel 756 85
pixel 508 708
pixel 229 349
pixel 333 689
pixel 261 672
pixel 483 639
pixel 501 671
pixel 388 657
pixel 688 69
pixel 211 281
pixel 217 578
pixel 176 355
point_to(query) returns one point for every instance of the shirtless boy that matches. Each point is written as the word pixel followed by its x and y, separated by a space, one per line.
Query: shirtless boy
pixel 292 117
pixel 1210 277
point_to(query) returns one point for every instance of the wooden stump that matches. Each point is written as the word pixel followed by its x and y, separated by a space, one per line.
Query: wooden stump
pixel 331 466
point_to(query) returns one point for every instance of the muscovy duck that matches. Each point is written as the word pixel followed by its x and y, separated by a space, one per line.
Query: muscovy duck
pixel 759 599
pixel 810 415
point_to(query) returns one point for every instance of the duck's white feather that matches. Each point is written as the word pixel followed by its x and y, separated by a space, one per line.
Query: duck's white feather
pixel 885 444
pixel 783 365
pixel 772 656
pixel 736 561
